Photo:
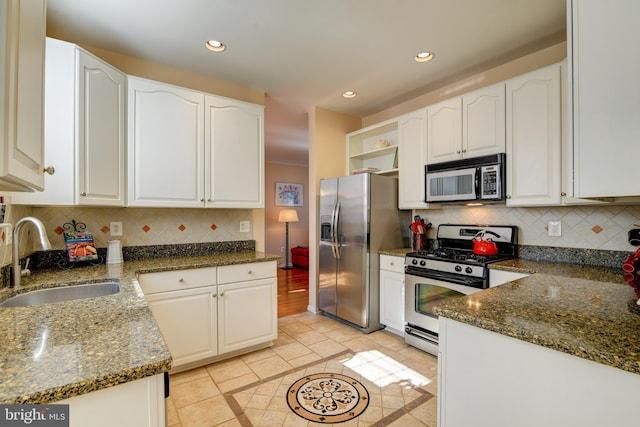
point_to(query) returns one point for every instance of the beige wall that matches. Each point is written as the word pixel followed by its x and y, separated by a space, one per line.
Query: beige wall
pixel 327 159
pixel 550 55
pixel 151 70
pixel 274 230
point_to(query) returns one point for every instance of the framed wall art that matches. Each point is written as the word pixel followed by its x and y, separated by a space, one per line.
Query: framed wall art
pixel 288 194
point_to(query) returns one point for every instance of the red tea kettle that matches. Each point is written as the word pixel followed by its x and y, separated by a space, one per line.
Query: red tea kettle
pixel 482 246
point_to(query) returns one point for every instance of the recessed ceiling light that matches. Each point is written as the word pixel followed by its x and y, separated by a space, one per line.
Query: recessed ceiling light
pixel 215 45
pixel 349 94
pixel 424 57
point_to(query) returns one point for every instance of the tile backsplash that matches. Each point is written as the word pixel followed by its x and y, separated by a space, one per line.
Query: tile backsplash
pixel 590 227
pixel 148 226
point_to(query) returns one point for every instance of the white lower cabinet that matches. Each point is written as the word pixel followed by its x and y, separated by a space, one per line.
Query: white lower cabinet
pixel 139 403
pixel 208 314
pixel 508 382
pixel 392 293
pixel 188 322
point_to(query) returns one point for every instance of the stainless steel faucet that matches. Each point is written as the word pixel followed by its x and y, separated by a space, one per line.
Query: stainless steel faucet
pixel 16 270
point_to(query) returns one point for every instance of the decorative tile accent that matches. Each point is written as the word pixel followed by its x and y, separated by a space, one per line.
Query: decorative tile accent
pixel 146 228
pixel 597 229
pixel 59 230
pixel 214 227
pixel 105 229
pixel 182 227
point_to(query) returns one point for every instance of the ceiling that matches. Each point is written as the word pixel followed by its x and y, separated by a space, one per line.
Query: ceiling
pixel 305 53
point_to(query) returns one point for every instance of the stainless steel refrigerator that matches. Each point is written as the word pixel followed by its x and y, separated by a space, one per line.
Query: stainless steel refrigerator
pixel 358 216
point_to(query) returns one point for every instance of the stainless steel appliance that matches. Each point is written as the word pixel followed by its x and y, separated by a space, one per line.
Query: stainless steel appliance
pixel 451 270
pixel 358 216
pixel 479 179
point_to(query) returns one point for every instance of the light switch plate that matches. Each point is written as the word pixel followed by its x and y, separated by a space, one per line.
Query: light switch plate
pixel 245 226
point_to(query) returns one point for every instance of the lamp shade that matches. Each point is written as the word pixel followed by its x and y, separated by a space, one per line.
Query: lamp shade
pixel 288 215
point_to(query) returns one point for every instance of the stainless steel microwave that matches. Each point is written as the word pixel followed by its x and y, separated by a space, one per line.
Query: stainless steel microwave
pixel 478 179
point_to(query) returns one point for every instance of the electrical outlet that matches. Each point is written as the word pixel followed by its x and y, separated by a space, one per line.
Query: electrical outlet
pixel 554 228
pixel 116 228
pixel 8 238
pixel 245 226
pixel 281 248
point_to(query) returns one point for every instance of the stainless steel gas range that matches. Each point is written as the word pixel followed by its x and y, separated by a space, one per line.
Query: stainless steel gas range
pixel 451 270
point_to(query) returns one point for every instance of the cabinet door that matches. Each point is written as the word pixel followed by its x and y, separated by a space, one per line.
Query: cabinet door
pixel 483 121
pixel 188 321
pixel 444 130
pixel 412 157
pixel 234 153
pixel 165 145
pixel 606 97
pixel 22 39
pixel 534 138
pixel 248 314
pixel 101 98
pixel 392 300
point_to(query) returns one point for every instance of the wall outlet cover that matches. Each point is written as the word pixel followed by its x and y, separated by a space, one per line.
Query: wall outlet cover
pixel 554 228
pixel 115 228
pixel 245 226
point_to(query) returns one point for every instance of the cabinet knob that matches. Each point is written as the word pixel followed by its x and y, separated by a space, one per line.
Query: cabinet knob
pixel 83 194
pixel 209 200
pixel 458 151
pixel 464 150
pixel 250 271
pixel 181 280
pixel 391 263
pixel 202 200
pixel 563 194
pixel 222 294
pixel 214 295
pixel 508 197
pixel 50 170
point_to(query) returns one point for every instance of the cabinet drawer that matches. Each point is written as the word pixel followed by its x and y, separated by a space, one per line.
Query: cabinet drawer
pixel 392 263
pixel 244 272
pixel 164 281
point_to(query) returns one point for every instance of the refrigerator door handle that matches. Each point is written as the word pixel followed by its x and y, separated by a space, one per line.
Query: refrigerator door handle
pixel 336 236
pixel 333 228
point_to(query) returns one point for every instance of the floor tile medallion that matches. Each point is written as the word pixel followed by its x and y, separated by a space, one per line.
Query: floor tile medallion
pixel 327 398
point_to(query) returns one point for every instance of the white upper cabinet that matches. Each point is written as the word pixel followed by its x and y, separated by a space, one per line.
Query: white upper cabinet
pixel 604 69
pixel 235 153
pixel 22 39
pixel 444 130
pixel 534 136
pixel 412 157
pixel 84 130
pixel 165 145
pixel 471 125
pixel 483 121
pixel 190 149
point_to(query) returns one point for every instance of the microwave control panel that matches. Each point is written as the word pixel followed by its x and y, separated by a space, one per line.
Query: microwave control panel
pixel 490 182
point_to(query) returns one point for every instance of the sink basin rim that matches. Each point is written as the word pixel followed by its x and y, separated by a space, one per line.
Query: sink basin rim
pixel 62 294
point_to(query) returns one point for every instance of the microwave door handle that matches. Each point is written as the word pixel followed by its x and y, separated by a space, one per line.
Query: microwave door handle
pixel 477 183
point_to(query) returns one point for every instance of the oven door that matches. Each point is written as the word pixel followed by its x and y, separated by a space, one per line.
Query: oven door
pixel 422 295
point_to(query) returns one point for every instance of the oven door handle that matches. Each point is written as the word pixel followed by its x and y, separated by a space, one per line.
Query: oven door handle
pixel 422 335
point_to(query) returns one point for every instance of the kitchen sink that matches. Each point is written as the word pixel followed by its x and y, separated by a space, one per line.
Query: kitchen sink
pixel 64 293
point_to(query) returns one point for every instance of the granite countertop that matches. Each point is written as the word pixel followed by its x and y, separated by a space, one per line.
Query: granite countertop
pixel 395 252
pixel 585 311
pixel 56 351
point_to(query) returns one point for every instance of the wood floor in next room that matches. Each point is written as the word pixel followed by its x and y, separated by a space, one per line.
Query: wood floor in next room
pixel 293 291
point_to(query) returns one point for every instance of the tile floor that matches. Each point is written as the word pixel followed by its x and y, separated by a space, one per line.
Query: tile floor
pixel 250 390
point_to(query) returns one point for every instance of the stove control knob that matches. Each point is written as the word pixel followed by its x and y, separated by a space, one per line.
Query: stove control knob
pixel 458 268
pixel 423 263
pixel 468 270
pixel 414 261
